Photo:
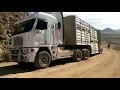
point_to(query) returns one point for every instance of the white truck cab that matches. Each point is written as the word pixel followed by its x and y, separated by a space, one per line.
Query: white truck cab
pixel 34 34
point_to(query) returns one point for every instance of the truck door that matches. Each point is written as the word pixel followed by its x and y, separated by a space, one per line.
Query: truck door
pixel 42 36
pixel 54 39
pixel 54 34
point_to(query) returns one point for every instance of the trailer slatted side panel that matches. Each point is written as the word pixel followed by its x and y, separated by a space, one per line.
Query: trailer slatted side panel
pixel 78 32
pixel 82 32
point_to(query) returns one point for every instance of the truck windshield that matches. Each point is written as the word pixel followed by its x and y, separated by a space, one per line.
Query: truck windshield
pixel 23 27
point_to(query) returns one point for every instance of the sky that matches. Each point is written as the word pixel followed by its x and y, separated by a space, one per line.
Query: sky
pixel 99 20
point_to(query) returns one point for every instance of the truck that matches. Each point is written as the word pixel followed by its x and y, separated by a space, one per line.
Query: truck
pixel 43 37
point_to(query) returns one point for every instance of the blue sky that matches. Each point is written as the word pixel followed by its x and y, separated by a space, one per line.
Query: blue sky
pixel 99 20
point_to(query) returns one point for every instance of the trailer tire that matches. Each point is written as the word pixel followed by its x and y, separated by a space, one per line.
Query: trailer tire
pixel 85 54
pixel 77 55
pixel 42 60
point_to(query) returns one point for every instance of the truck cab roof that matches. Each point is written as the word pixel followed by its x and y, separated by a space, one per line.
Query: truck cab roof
pixel 41 15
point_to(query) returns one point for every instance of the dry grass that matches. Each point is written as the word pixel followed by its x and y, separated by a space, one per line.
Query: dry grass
pixel 117 47
pixel 113 46
pixel 5 55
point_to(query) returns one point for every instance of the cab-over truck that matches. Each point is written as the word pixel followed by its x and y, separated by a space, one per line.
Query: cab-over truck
pixel 43 37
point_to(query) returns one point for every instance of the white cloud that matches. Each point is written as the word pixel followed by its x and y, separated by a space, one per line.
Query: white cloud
pixel 100 20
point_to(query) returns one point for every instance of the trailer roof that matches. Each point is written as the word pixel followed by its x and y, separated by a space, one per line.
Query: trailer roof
pixel 84 23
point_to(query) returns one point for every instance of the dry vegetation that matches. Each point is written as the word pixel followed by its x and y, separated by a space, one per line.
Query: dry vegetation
pixel 7 20
pixel 113 46
pixel 117 47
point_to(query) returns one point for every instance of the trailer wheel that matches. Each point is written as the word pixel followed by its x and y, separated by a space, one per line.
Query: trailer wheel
pixel 43 60
pixel 85 54
pixel 77 55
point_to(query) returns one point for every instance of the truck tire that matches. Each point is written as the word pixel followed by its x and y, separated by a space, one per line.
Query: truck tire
pixel 43 60
pixel 77 55
pixel 85 54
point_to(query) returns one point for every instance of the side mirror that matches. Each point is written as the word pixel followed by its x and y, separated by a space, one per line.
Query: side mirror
pixel 41 24
pixel 59 25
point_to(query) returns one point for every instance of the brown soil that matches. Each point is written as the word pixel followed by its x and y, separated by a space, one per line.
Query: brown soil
pixel 106 65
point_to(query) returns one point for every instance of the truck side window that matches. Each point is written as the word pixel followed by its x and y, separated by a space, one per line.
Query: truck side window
pixel 59 25
pixel 41 24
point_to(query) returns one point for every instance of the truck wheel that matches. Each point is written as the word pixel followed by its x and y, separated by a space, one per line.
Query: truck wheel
pixel 85 54
pixel 77 55
pixel 43 60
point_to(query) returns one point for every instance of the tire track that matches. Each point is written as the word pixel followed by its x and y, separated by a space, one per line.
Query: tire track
pixel 102 70
pixel 102 65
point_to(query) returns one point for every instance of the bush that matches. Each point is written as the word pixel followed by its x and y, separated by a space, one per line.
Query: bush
pixel 5 55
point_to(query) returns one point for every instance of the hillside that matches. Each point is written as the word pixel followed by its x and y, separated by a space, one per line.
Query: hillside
pixel 111 31
pixel 7 20
pixel 110 35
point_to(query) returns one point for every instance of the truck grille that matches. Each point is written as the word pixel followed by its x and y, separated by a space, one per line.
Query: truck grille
pixel 14 51
pixel 18 41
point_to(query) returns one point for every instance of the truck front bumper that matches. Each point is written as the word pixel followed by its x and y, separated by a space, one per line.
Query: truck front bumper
pixel 19 58
pixel 17 55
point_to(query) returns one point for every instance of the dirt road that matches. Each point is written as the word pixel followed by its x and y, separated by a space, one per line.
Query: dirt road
pixel 106 65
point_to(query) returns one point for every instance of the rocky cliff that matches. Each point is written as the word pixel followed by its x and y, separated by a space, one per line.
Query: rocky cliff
pixel 7 20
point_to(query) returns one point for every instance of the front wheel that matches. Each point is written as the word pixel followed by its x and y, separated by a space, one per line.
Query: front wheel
pixel 43 60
